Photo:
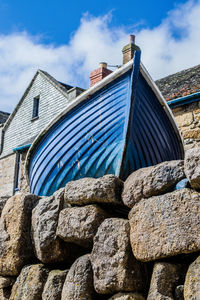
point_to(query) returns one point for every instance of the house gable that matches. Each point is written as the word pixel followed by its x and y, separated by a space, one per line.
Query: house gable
pixel 20 126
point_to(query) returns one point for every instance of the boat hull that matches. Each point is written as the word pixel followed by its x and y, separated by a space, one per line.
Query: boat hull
pixel 120 128
pixel 151 136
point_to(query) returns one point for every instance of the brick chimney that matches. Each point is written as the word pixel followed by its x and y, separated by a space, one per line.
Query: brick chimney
pixel 99 74
pixel 128 50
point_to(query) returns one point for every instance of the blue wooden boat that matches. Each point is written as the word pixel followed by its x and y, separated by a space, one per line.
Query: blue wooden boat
pixel 117 126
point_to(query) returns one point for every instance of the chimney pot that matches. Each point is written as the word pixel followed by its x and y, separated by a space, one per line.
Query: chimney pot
pixel 132 38
pixel 129 50
pixel 103 65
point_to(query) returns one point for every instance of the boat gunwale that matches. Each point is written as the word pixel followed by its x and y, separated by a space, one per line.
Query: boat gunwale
pixel 89 92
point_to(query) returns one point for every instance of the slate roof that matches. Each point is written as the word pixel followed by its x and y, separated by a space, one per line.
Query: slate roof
pixel 180 84
pixel 3 117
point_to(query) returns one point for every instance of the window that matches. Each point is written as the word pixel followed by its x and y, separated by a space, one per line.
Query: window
pixel 17 169
pixel 35 113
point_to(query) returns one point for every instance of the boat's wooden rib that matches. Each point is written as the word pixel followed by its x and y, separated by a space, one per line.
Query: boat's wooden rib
pixel 116 129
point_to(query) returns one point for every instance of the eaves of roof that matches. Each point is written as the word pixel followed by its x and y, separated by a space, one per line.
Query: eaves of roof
pixel 184 100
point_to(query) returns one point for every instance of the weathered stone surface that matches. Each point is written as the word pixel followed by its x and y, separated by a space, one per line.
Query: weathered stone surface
pixel 45 215
pixel 79 224
pixel 192 134
pixel 5 293
pixel 23 183
pixel 115 268
pixel 15 239
pixel 6 284
pixel 54 284
pixel 192 281
pixel 6 281
pixel 2 203
pixel 184 119
pixel 166 225
pixel 29 284
pixel 152 181
pixel 192 167
pixel 106 189
pixel 79 281
pixel 127 296
pixel 164 279
pixel 7 169
pixel 179 292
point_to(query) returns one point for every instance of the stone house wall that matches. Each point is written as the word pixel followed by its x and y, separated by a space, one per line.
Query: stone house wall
pixel 7 171
pixel 23 184
pixel 188 121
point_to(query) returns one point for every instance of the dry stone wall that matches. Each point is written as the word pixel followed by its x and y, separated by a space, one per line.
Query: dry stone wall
pixel 7 175
pixel 104 239
pixel 188 121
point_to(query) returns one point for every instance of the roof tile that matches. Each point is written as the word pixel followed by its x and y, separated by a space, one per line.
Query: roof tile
pixel 180 84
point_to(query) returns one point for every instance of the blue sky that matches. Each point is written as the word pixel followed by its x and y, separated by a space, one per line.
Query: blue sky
pixel 56 21
pixel 69 38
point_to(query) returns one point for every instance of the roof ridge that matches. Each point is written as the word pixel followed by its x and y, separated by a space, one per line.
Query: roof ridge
pixel 61 86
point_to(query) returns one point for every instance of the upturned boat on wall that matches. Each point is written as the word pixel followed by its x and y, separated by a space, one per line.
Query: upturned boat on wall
pixel 117 126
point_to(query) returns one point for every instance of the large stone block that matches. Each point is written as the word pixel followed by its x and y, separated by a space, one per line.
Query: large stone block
pixel 30 283
pixel 106 189
pixel 15 236
pixel 164 279
pixel 192 281
pixel 152 181
pixel 54 284
pixel 167 225
pixel 192 134
pixel 79 281
pixel 45 215
pixel 192 167
pixel 79 224
pixel 115 268
pixel 185 119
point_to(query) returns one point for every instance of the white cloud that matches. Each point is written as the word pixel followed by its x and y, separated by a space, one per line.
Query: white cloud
pixel 173 45
pixel 170 47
